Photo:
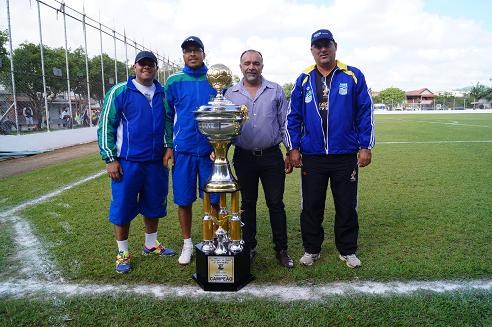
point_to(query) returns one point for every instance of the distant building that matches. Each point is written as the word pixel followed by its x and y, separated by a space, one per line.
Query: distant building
pixel 419 99
pixel 454 93
pixel 482 103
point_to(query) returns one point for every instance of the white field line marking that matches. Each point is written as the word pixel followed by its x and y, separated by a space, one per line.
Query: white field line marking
pixel 433 142
pixel 6 214
pixel 286 293
pixel 31 253
pixel 452 123
pixel 52 284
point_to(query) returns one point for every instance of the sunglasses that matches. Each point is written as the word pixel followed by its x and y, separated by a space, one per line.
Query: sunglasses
pixel 323 44
pixel 190 51
pixel 145 63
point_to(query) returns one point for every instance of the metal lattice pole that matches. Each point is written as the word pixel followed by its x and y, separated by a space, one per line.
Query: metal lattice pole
pixel 115 61
pixel 126 53
pixel 45 95
pixel 87 70
pixel 66 64
pixel 11 55
pixel 102 62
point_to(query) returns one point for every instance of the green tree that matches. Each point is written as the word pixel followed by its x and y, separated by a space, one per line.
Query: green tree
pixel 488 94
pixel 287 90
pixel 446 100
pixel 4 60
pixel 479 91
pixel 95 77
pixel 76 64
pixel 391 97
pixel 28 74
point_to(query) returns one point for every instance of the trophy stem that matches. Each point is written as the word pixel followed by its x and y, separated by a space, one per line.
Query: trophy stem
pixel 221 148
pixel 221 179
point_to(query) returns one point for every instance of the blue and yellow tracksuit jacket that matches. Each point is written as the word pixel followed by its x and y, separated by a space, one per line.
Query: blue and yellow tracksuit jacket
pixel 350 114
pixel 131 129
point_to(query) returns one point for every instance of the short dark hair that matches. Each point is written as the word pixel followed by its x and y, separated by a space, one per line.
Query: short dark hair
pixel 250 50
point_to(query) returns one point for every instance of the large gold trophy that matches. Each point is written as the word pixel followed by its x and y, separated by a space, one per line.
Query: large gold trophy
pixel 221 263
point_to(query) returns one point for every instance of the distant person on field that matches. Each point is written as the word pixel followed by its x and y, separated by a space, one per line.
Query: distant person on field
pixel 186 91
pixel 257 155
pixel 85 118
pixel 65 117
pixel 28 115
pixel 330 129
pixel 134 135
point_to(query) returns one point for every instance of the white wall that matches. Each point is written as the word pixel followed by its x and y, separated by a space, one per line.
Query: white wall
pixel 48 141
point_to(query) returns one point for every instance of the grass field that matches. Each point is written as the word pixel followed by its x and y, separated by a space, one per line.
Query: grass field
pixel 425 215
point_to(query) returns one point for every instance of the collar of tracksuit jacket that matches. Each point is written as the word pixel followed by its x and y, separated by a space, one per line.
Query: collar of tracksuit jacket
pixel 195 72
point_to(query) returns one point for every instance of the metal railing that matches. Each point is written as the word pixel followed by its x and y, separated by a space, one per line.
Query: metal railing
pixel 58 84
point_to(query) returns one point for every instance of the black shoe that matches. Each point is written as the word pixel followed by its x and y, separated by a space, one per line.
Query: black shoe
pixel 252 253
pixel 284 259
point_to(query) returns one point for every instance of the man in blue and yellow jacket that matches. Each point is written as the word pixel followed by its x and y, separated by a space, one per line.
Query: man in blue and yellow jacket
pixel 330 129
pixel 133 136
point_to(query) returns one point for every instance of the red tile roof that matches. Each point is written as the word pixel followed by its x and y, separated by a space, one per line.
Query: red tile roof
pixel 419 92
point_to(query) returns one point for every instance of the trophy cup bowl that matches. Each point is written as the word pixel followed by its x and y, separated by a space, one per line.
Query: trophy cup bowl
pixel 220 121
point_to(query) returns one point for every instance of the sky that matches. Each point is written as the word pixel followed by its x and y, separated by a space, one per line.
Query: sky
pixel 435 44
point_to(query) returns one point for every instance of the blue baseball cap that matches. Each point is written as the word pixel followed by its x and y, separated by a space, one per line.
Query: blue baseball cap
pixel 321 35
pixel 192 40
pixel 145 55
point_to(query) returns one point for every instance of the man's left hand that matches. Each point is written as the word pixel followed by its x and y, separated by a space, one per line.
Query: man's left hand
pixel 364 157
pixel 288 166
pixel 168 155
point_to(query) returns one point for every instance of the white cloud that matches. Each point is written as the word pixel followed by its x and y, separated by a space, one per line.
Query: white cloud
pixel 394 42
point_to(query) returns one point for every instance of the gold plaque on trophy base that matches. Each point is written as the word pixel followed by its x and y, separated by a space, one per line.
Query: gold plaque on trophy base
pixel 220 269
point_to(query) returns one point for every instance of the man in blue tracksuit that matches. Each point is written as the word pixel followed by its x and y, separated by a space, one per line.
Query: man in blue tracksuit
pixel 330 129
pixel 133 136
pixel 186 91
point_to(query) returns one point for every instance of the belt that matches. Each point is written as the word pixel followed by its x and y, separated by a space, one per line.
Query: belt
pixel 261 152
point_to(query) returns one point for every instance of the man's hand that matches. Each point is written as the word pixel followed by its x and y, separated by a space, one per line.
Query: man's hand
pixel 114 170
pixel 168 155
pixel 295 158
pixel 287 165
pixel 212 156
pixel 364 157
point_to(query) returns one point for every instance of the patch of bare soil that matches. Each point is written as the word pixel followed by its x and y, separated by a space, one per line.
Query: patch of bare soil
pixel 17 166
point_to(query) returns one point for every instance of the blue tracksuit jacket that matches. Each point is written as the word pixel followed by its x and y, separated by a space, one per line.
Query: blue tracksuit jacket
pixel 350 114
pixel 186 91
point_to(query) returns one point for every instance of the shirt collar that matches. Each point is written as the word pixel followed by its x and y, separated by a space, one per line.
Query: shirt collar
pixel 264 84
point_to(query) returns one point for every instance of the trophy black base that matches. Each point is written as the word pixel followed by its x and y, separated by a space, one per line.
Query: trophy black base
pixel 222 273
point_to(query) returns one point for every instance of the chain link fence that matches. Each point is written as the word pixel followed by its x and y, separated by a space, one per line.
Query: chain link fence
pixel 57 77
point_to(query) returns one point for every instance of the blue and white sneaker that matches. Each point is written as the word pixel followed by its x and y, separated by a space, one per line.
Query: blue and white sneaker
pixel 159 249
pixel 123 264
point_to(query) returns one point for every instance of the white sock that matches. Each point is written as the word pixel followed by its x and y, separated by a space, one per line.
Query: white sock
pixel 122 245
pixel 188 243
pixel 150 240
